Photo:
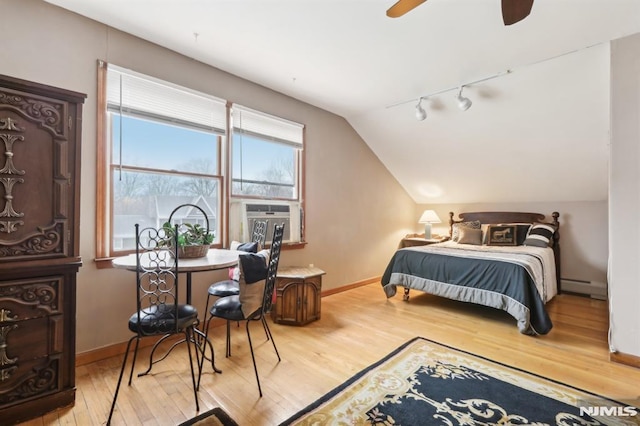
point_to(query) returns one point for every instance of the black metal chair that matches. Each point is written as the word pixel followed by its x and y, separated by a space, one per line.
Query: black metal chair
pixel 158 312
pixel 253 303
pixel 231 287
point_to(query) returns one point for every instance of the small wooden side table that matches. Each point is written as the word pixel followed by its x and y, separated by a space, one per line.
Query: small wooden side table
pixel 413 240
pixel 297 295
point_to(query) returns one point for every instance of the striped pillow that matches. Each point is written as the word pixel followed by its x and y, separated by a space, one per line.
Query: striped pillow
pixel 540 235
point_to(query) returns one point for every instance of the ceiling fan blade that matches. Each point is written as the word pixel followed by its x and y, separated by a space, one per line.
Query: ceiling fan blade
pixel 515 10
pixel 402 7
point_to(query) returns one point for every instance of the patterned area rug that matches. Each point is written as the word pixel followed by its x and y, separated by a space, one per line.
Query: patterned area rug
pixel 215 417
pixel 426 383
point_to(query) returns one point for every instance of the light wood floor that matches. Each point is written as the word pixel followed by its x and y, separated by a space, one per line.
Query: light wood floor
pixel 358 327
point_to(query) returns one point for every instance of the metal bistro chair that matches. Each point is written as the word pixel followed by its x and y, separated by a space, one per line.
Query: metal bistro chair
pixel 158 312
pixel 253 303
pixel 231 287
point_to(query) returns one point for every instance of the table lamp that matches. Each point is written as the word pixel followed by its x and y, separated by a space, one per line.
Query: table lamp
pixel 428 217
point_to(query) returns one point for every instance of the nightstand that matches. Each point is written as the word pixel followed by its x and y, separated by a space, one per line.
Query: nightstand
pixel 297 295
pixel 413 240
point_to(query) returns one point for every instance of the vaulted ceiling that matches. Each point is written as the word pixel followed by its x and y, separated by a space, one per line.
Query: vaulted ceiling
pixel 538 129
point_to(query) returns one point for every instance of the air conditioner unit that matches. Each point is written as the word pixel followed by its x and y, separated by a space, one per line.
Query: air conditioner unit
pixel 244 213
pixel 594 289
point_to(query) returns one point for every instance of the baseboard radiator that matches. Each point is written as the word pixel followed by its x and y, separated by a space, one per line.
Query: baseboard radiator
pixel 594 289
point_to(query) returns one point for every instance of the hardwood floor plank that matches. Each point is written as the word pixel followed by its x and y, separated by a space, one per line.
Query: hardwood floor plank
pixel 358 327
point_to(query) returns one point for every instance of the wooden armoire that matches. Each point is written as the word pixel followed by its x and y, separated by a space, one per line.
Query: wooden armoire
pixel 40 129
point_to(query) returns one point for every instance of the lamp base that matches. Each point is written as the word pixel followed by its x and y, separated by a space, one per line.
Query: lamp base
pixel 427 231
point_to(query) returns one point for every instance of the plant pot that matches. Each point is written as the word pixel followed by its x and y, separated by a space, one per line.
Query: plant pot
pixel 190 252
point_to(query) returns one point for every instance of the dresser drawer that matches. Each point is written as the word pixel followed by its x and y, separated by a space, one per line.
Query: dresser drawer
pixel 31 298
pixel 31 337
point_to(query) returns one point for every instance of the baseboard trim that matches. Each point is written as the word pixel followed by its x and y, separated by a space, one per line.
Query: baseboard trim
pixel 626 359
pixel 351 286
pixel 105 352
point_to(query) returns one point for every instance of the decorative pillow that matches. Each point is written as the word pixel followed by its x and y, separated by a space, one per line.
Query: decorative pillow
pixel 540 235
pixel 522 230
pixel 469 236
pixel 234 273
pixel 485 228
pixel 253 274
pixel 455 229
pixel 501 235
pixel 248 247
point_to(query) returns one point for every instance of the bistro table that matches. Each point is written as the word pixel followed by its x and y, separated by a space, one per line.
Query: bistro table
pixel 216 259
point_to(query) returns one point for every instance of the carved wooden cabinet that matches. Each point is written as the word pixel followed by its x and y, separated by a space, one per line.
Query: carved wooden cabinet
pixel 297 295
pixel 39 246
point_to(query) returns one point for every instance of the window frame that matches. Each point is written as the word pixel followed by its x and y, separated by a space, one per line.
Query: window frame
pixel 105 251
pixel 270 135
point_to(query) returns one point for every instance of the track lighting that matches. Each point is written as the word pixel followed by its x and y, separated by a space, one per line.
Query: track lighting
pixel 421 114
pixel 463 103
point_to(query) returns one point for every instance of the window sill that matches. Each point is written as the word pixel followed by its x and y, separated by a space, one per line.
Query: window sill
pixel 105 262
pixel 294 246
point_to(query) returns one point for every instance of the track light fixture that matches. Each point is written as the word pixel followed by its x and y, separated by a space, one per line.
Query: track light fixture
pixel 463 103
pixel 421 114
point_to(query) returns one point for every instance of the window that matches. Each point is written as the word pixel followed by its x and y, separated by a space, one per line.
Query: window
pixel 161 145
pixel 162 149
pixel 266 155
pixel 266 169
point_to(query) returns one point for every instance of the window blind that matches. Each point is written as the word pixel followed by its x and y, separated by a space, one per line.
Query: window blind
pixel 132 93
pixel 251 122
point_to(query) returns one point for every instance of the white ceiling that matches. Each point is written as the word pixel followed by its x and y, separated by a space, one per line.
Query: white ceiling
pixel 537 133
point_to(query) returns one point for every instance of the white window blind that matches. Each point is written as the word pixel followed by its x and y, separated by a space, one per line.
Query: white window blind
pixel 132 93
pixel 251 122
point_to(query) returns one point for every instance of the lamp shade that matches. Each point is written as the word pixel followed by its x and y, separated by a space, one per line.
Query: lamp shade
pixel 429 216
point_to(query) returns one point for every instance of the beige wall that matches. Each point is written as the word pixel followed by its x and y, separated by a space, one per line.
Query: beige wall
pixel 624 194
pixel 356 211
pixel 583 231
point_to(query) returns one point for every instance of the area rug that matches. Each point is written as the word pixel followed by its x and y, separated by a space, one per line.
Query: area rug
pixel 215 417
pixel 426 383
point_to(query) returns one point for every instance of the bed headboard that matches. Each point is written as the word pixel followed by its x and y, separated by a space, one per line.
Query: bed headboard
pixel 515 217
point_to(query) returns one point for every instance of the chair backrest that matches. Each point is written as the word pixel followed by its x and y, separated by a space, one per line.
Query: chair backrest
pixel 157 280
pixel 259 232
pixel 272 269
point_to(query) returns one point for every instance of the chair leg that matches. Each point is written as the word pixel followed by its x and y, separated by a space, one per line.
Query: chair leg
pixel 124 364
pixel 270 336
pixel 133 362
pixel 228 354
pixel 206 312
pixel 253 358
pixel 205 342
pixel 266 327
pixel 191 338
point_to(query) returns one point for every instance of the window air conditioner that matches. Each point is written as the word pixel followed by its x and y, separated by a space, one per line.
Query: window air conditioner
pixel 245 213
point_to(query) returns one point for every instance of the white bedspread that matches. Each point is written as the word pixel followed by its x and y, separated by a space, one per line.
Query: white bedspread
pixel 542 272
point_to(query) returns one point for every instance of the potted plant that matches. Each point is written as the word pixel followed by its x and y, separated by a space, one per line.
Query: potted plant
pixel 193 239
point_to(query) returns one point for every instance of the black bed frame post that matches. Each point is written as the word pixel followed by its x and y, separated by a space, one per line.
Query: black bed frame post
pixel 451 222
pixel 556 249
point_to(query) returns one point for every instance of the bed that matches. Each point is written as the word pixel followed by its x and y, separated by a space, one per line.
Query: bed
pixel 505 260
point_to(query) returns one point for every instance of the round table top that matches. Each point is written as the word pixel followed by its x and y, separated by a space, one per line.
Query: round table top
pixel 215 259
